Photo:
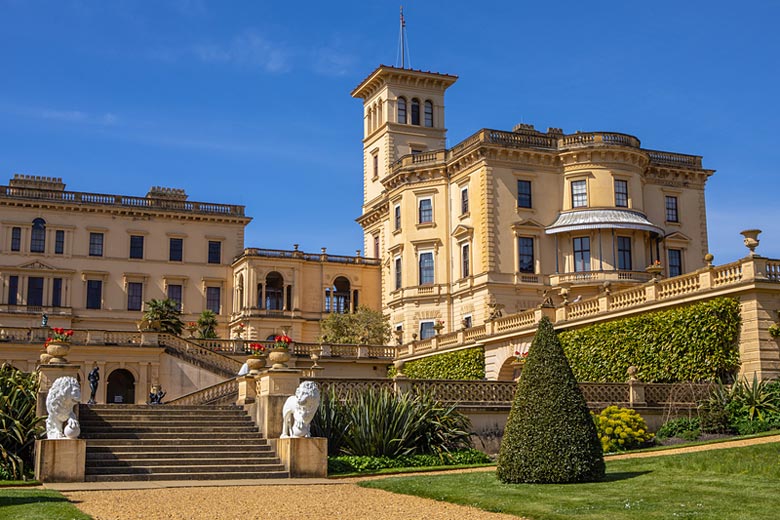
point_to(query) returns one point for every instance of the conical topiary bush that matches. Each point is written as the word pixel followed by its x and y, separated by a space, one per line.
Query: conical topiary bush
pixel 549 436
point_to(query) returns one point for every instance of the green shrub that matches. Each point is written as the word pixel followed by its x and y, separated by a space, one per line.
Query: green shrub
pixel 549 436
pixel 358 464
pixel 754 400
pixel 377 422
pixel 688 428
pixel 19 426
pixel 461 364
pixel 621 429
pixel 692 343
pixel 713 411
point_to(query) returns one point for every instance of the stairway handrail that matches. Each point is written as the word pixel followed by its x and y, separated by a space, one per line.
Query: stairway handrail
pixel 208 394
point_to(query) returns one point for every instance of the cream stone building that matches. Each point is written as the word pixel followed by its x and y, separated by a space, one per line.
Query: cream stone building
pixel 504 221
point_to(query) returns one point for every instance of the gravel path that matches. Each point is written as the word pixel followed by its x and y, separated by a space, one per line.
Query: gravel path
pixel 340 500
pixel 331 501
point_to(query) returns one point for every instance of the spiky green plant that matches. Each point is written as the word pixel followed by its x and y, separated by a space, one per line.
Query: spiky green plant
pixel 754 400
pixel 331 422
pixel 207 325
pixel 549 436
pixel 19 426
pixel 381 423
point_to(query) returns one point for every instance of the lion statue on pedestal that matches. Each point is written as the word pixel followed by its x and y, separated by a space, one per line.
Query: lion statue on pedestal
pixel 299 410
pixel 62 423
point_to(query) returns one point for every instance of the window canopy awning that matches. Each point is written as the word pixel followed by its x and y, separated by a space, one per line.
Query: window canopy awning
pixel 601 219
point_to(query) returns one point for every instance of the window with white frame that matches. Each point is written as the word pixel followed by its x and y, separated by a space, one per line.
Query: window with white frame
pixel 429 114
pixel 621 193
pixel 402 110
pixel 425 210
pixel 579 194
pixel 426 329
pixel 426 267
pixel 672 214
pixel 581 247
pixel 375 163
pixel 464 200
pixel 624 253
pixel 524 194
pixel 465 260
pixel 398 272
pixel 397 217
pixel 525 251
pixel 675 262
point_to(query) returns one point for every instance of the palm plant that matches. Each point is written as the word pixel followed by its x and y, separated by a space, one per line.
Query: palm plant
pixel 19 425
pixel 207 325
pixel 163 316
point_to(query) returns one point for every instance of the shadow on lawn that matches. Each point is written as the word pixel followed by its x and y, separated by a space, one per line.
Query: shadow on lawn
pixel 21 500
pixel 623 475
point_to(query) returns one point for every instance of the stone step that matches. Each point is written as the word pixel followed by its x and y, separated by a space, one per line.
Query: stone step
pixel 96 465
pixel 183 430
pixel 177 442
pixel 98 420
pixel 118 477
pixel 110 455
pixel 95 426
pixel 172 435
pixel 157 408
pixel 181 469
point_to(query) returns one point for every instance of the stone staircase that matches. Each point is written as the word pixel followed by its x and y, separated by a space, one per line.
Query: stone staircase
pixel 138 442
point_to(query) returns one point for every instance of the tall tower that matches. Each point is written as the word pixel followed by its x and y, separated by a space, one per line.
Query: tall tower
pixel 403 115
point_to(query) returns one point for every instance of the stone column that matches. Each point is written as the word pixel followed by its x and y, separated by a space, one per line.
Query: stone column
pixel 273 389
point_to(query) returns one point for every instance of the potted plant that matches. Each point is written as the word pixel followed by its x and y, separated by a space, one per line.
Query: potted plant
pixel 774 330
pixel 438 326
pixel 520 359
pixel 256 359
pixel 280 353
pixel 58 345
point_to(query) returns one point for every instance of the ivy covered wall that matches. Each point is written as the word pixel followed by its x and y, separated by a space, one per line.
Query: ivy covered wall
pixel 692 343
pixel 461 364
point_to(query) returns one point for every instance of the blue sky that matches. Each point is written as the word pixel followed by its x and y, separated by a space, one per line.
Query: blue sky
pixel 248 102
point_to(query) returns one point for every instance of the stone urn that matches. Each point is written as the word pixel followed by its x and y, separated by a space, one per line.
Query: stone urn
pixel 751 239
pixel 279 356
pixel 57 350
pixel 655 270
pixel 255 364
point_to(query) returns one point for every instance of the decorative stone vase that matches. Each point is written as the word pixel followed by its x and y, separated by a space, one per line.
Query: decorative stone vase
pixel 57 350
pixel 45 358
pixel 751 239
pixel 279 357
pixel 255 364
pixel 655 270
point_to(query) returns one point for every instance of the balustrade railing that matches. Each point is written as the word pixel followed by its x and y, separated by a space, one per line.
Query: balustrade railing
pixel 226 391
pixel 674 159
pixel 76 197
pixel 217 362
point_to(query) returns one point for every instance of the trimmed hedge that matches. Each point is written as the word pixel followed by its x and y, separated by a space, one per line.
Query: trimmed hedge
pixel 358 464
pixel 693 343
pixel 461 364
pixel 550 436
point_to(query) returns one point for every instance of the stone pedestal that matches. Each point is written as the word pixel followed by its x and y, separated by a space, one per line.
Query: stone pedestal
pixel 247 390
pixel 49 374
pixel 273 389
pixel 60 460
pixel 150 339
pixel 304 457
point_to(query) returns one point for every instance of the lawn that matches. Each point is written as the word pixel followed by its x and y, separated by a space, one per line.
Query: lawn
pixel 37 504
pixel 731 484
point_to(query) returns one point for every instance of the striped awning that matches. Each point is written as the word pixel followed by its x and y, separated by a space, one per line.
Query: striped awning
pixel 601 219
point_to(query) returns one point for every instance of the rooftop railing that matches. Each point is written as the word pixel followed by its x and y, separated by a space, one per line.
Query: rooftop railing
pixel 148 203
pixel 308 257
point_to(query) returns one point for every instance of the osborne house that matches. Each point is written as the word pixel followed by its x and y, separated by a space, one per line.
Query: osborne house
pixel 463 246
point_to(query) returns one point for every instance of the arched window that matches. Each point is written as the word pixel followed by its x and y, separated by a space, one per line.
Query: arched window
pixel 416 111
pixel 402 110
pixel 337 297
pixel 38 236
pixel 429 114
pixel 274 285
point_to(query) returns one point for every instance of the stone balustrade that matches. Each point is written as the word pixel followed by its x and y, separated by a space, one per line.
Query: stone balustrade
pixel 102 199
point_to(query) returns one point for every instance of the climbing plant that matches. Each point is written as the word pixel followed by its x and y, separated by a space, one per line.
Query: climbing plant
pixel 693 343
pixel 461 364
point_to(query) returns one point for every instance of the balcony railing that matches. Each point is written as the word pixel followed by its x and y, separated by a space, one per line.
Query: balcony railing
pixel 308 257
pixel 592 277
pixel 150 203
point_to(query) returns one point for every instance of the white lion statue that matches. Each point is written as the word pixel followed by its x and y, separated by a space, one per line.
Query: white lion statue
pixel 299 410
pixel 62 423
